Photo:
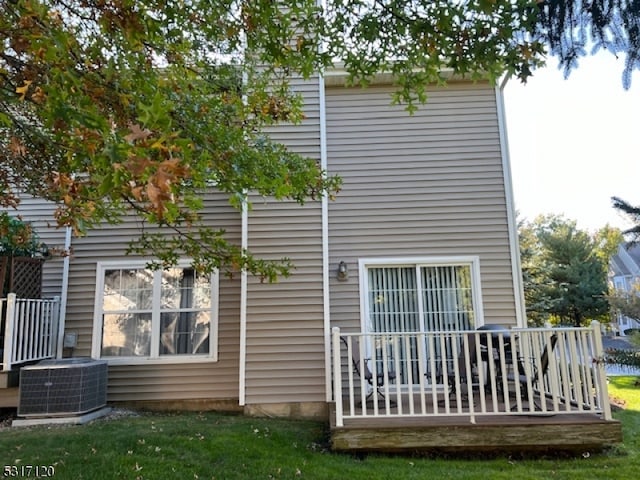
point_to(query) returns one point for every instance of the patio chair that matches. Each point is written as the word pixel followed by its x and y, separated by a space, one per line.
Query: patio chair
pixel 366 374
pixel 524 378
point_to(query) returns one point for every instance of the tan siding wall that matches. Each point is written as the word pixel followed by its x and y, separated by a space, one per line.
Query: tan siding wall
pixel 39 213
pixel 217 380
pixel 430 184
pixel 285 343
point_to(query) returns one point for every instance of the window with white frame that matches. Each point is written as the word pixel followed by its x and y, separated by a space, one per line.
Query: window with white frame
pixel 155 314
pixel 426 295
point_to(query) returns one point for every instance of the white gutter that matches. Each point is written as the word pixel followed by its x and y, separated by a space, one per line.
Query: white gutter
pixel 514 244
pixel 65 292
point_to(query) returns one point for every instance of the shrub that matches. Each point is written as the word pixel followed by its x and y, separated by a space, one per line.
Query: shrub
pixel 17 238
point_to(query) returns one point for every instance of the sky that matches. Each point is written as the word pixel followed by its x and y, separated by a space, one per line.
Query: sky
pixel 575 143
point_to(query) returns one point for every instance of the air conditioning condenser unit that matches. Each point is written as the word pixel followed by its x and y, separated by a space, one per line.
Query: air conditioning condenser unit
pixel 68 386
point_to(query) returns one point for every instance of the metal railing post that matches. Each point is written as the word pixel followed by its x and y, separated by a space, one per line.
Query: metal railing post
pixel 337 375
pixel 55 320
pixel 601 374
pixel 8 332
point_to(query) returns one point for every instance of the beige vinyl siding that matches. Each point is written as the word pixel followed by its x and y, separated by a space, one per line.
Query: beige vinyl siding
pixel 285 342
pixel 422 185
pixel 285 336
pixel 40 214
pixel 212 380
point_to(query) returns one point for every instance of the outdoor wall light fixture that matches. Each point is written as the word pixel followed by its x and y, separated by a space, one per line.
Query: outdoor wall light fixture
pixel 343 271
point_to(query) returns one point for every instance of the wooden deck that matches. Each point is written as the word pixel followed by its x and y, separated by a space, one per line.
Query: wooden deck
pixel 463 433
pixel 556 398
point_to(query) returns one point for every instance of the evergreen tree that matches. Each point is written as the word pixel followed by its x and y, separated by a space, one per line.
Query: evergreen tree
pixel 573 29
pixel 633 214
pixel 533 275
pixel 567 279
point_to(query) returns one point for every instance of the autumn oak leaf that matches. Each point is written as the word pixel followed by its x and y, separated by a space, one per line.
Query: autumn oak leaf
pixel 22 91
pixel 137 133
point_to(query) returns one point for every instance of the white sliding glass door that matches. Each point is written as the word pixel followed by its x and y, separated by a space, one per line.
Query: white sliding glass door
pixel 436 296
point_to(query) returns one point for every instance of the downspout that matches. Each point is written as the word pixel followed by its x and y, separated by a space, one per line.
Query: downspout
pixel 65 291
pixel 514 244
pixel 244 243
pixel 326 304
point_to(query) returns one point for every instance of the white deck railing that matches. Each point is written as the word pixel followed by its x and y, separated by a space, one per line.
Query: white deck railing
pixel 537 371
pixel 30 329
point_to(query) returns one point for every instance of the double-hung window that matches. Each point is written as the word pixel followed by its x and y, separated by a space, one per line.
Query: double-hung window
pixel 161 315
pixel 421 295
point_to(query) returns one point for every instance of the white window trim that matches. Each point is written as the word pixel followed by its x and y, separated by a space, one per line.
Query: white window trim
pixel 96 342
pixel 473 261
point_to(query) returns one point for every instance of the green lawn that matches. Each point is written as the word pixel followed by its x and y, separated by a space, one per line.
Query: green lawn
pixel 216 446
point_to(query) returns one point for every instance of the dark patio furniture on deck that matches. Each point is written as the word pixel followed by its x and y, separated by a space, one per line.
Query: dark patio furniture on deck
pixel 531 377
pixel 495 356
pixel 482 358
pixel 363 371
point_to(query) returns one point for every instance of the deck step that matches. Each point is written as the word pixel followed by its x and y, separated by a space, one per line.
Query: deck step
pixel 9 379
pixel 9 397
